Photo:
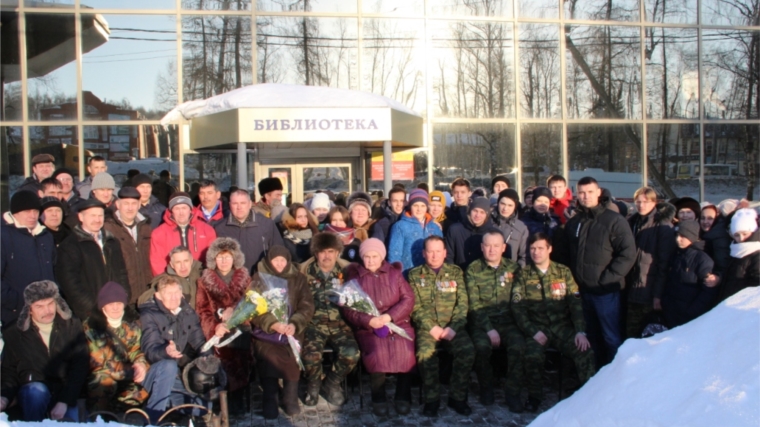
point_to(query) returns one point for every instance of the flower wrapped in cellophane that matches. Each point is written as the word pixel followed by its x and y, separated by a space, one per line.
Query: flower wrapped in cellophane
pixel 276 296
pixel 351 295
pixel 252 305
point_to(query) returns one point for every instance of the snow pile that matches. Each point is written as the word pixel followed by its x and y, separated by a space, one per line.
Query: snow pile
pixel 704 373
pixel 275 95
pixel 50 423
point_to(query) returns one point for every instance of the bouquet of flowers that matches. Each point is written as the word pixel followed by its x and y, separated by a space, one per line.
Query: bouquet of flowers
pixel 352 295
pixel 276 296
pixel 252 305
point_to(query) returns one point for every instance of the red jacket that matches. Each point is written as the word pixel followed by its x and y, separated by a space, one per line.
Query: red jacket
pixel 167 237
pixel 559 205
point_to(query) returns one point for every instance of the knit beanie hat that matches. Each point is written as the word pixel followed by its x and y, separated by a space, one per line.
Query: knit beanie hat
pixel 24 201
pixel 372 245
pixel 63 171
pixel 438 196
pixel 103 180
pixel 111 292
pixel 267 185
pixel 320 200
pixel 37 291
pixel 141 179
pixel 359 198
pixel 418 195
pixel 688 229
pixel 501 178
pixel 541 192
pixel 510 194
pixel 50 202
pixel 278 250
pixel 480 203
pixel 180 198
pixel 727 207
pixel 744 220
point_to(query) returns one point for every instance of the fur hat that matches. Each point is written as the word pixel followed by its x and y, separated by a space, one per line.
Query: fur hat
pixel 688 203
pixel 323 241
pixel 267 185
pixel 37 291
pixel 361 198
pixel 225 244
pixel 25 201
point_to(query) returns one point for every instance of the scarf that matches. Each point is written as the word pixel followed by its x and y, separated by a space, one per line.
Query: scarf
pixel 345 234
pixel 114 323
pixel 299 237
pixel 740 250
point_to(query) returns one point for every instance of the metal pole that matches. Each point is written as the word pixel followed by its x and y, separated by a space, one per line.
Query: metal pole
pixel 242 166
pixel 387 168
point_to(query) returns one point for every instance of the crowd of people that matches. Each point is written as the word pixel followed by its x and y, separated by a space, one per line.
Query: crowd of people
pixel 110 294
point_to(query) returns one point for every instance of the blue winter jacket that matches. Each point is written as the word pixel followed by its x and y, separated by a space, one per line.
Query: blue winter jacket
pixel 407 239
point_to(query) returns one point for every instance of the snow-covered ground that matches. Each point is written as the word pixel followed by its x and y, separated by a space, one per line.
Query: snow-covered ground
pixel 50 423
pixel 704 373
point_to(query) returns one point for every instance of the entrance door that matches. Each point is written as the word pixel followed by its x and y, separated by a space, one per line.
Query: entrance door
pixel 301 179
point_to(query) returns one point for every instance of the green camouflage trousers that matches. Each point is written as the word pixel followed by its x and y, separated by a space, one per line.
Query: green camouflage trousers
pixel 564 341
pixel 461 350
pixel 636 315
pixel 115 396
pixel 514 342
pixel 340 338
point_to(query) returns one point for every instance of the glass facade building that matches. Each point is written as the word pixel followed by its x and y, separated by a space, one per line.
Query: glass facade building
pixel 658 92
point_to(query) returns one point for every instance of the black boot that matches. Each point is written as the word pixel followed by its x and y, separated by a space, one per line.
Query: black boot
pixel 290 398
pixel 403 407
pixel 269 405
pixel 514 404
pixel 460 406
pixel 332 390
pixel 312 392
pixel 486 395
pixel 236 403
pixel 431 409
pixel 532 404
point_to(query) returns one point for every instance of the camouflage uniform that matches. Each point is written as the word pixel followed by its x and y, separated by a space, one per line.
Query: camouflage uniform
pixel 327 326
pixel 549 303
pixel 489 292
pixel 441 300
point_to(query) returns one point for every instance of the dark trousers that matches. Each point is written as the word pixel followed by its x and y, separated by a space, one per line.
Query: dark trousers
pixel 34 399
pixel 603 326
pixel 403 387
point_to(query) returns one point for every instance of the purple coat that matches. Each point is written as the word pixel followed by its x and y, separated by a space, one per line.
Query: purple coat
pixel 393 296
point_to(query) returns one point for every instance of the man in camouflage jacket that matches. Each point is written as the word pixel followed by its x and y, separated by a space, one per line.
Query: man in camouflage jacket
pixel 440 317
pixel 546 306
pixel 325 272
pixel 489 285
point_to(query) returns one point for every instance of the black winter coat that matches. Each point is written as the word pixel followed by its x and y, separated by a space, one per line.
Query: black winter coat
pixel 63 368
pixel 159 326
pixel 718 244
pixel 83 268
pixel 516 234
pixel 26 258
pixel 599 249
pixel 256 235
pixel 655 244
pixel 463 242
pixel 381 229
pixel 742 272
pixel 544 223
pixel 686 297
pixel 454 215
pixel 153 210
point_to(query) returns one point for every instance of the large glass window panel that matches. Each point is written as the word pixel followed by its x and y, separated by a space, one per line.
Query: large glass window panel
pixel 59 141
pixel 130 4
pixel 673 151
pixel 409 167
pixel 731 162
pixel 393 60
pixel 540 91
pixel 473 151
pixel 220 5
pixel 671 11
pixel 609 153
pixel 730 12
pixel 396 7
pixel 11 163
pixel 541 151
pixel 603 72
pixel 672 82
pixel 218 166
pixel 141 55
pixel 216 55
pixel 544 9
pixel 51 66
pixel 310 51
pixel 11 68
pixel 47 3
pixel 344 6
pixel 602 10
pixel 729 69
pixel 501 8
pixel 471 69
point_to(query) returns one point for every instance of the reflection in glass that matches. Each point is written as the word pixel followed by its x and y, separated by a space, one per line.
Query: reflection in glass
pixel 544 9
pixel 410 168
pixel 344 6
pixel 141 55
pixel 398 7
pixel 220 167
pixel 673 151
pixel 671 11
pixel 603 72
pixel 672 81
pixel 335 179
pixel 394 60
pixel 472 69
pixel 602 10
pixel 731 165
pixel 46 3
pixel 729 70
pixel 11 69
pixel 500 8
pixel 11 163
pixel 216 56
pixel 731 12
pixel 473 151
pixel 540 80
pixel 310 51
pixel 541 152
pixel 131 4
pixel 220 5
pixel 609 153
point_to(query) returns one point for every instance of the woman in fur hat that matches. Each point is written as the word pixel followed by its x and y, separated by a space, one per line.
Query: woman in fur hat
pixel 360 211
pixel 220 287
pixel 298 227
pixel 274 358
pixel 338 220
